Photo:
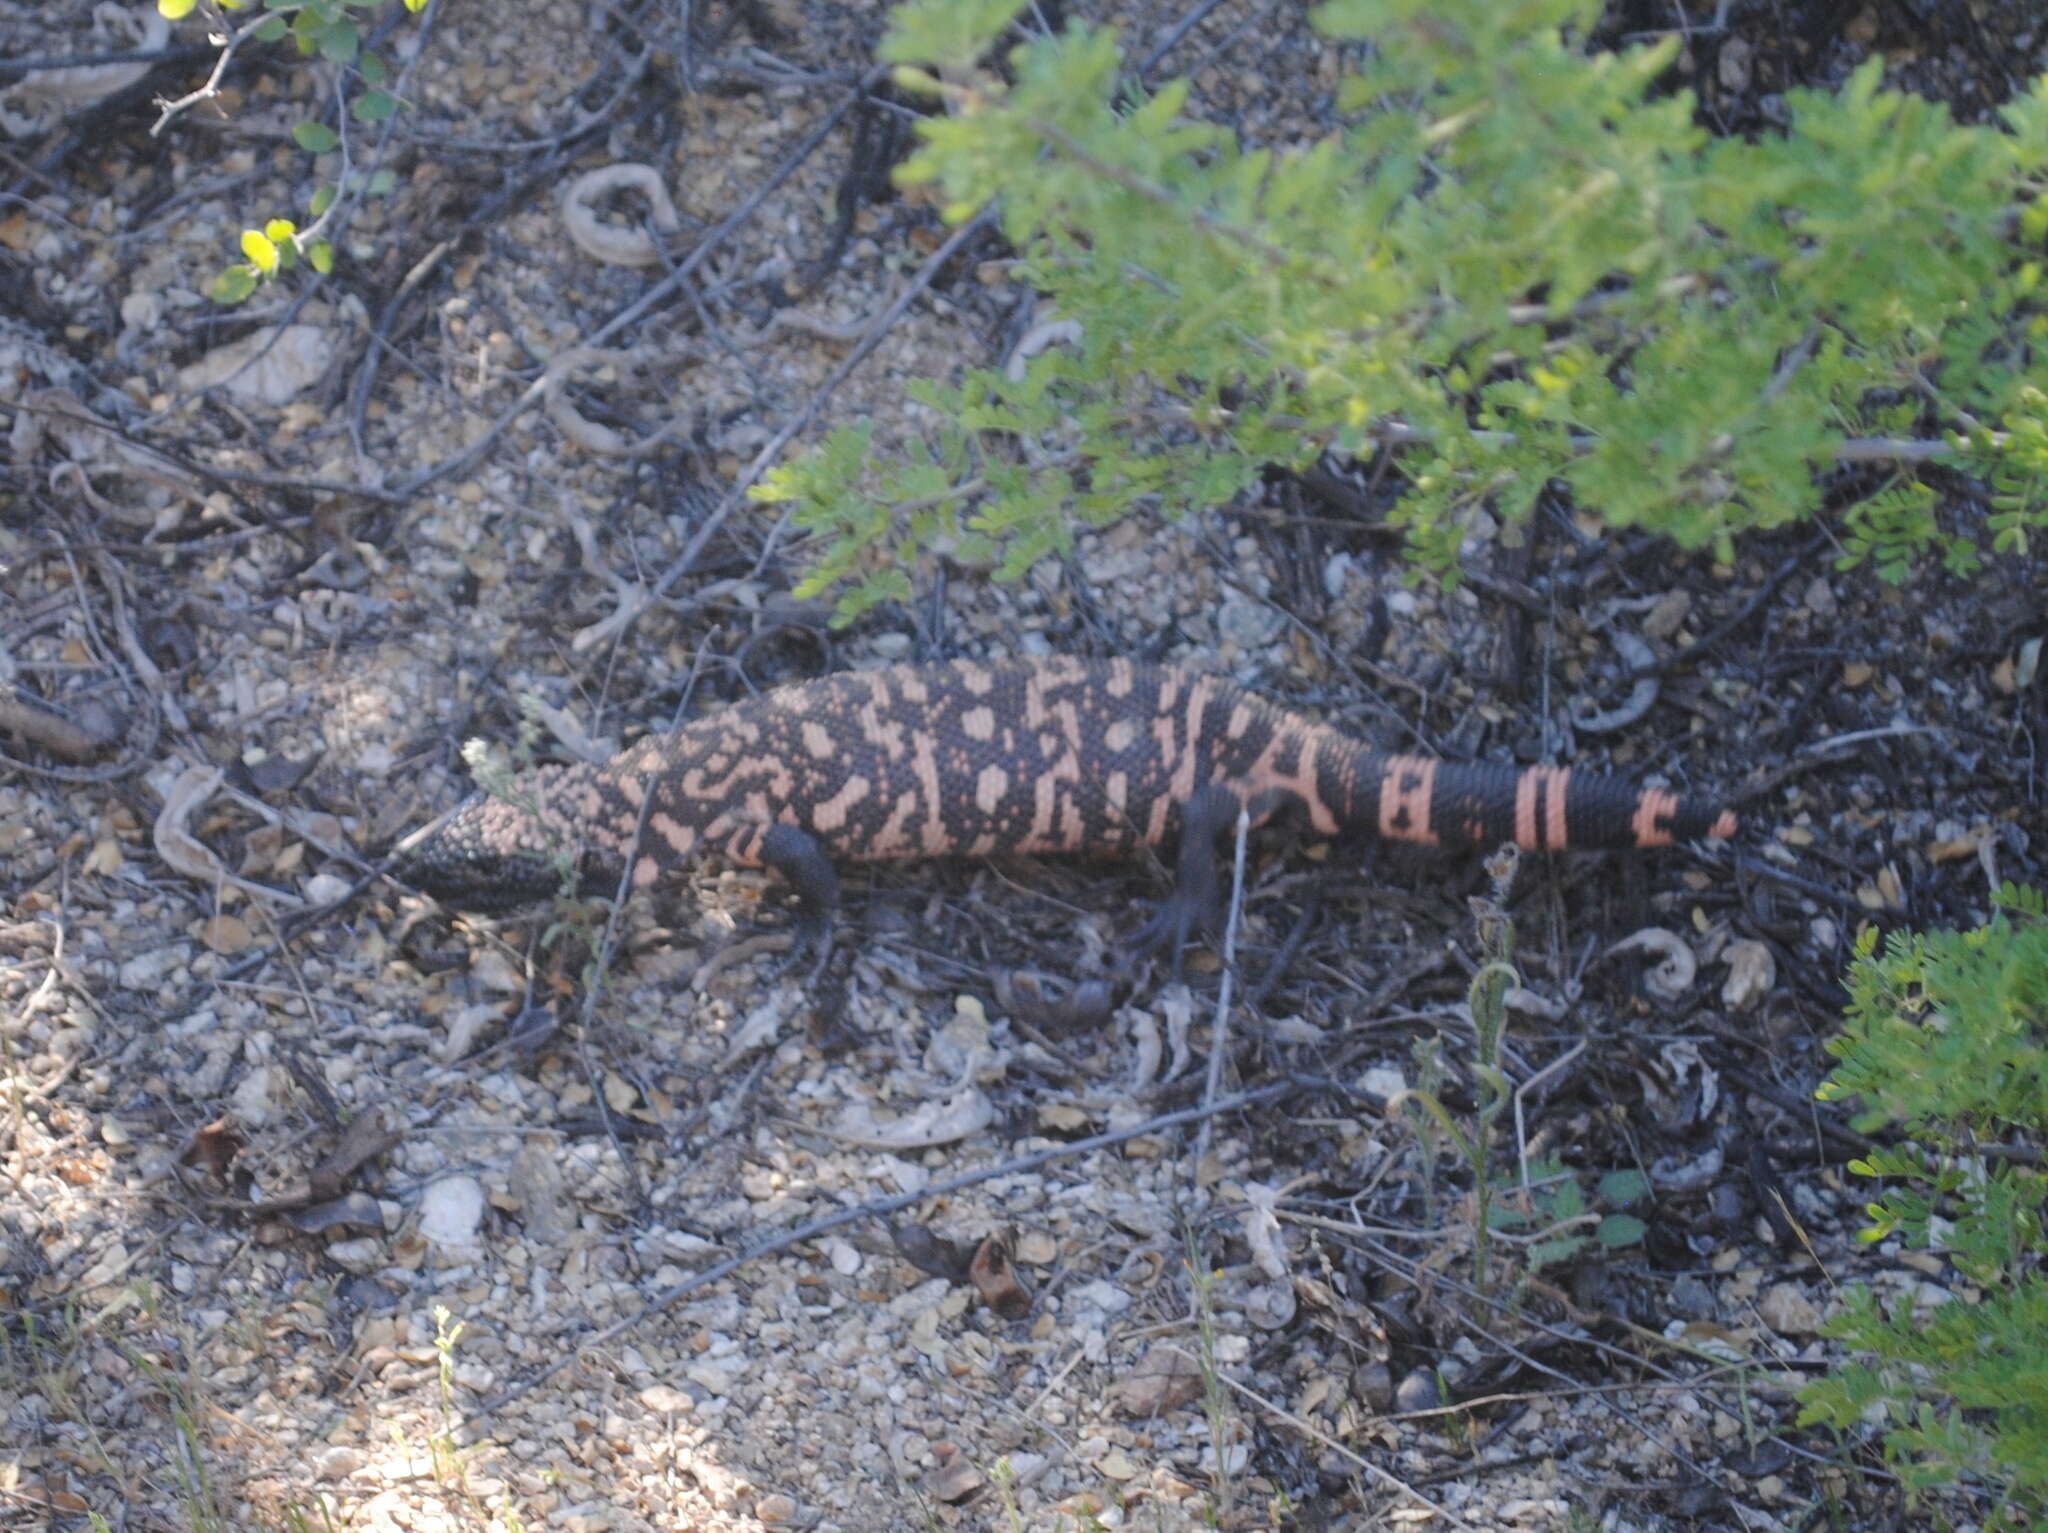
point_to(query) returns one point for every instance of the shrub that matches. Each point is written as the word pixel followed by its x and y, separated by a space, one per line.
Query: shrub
pixel 1513 259
pixel 1947 1039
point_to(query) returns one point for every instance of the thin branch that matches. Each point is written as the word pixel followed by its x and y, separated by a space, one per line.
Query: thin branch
pixel 36 65
pixel 1219 1029
pixel 206 92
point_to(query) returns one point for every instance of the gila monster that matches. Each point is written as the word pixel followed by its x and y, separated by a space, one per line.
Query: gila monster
pixel 975 758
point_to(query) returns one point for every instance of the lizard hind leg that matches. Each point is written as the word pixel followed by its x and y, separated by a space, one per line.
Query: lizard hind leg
pixel 1199 892
pixel 800 857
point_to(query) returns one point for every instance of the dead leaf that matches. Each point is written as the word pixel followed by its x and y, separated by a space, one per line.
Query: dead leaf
pixel 1053 1005
pixel 214 1148
pixel 1165 1379
pixel 955 1481
pixel 357 1211
pixel 1675 969
pixel 1668 616
pixel 992 1274
pixel 227 934
pixel 363 1141
pixel 1959 848
pixel 185 853
pixel 1891 887
pixel 1752 974
pixel 1262 1230
pixel 931 1253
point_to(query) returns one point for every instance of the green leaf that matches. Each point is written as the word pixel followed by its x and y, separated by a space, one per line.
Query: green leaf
pixel 1548 1253
pixel 271 29
pixel 1567 1199
pixel 321 255
pixel 1621 1188
pixel 1618 1230
pixel 373 106
pixel 339 41
pixel 380 183
pixel 950 32
pixel 315 137
pixel 234 284
pixel 372 68
pixel 323 199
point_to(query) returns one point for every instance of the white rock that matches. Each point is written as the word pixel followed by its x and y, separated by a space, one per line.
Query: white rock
pixel 326 888
pixel 251 1100
pixel 451 1209
pixel 362 1256
pixel 845 1260
pixel 1787 1310
pixel 145 970
pixel 337 1463
pixel 269 366
pixel 142 311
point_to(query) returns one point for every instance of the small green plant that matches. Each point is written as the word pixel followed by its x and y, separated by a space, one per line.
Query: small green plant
pixel 1215 1397
pixel 1546 1204
pixel 449 1466
pixel 189 1465
pixel 332 31
pixel 1946 1041
pixel 1486 999
pixel 1513 262
pixel 1003 1475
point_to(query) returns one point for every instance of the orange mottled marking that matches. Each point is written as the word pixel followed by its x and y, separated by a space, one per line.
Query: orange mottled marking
pixel 1539 808
pixel 1406 793
pixel 924 766
pixel 831 814
pixel 989 787
pixel 893 839
pixel 1724 828
pixel 680 839
pixel 1302 783
pixel 1525 810
pixel 1652 822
